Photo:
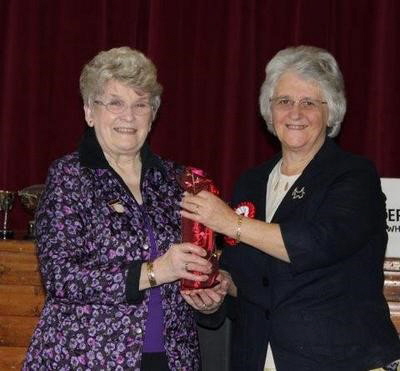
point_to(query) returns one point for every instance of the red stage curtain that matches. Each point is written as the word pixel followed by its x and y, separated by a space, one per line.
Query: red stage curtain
pixel 211 57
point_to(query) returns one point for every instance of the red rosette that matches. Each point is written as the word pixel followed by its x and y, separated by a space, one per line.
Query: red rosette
pixel 247 209
pixel 194 180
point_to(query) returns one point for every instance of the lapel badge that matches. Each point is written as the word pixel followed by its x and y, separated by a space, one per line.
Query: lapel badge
pixel 117 206
pixel 298 193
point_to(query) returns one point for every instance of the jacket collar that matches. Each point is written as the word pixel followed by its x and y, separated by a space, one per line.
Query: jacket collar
pixel 328 149
pixel 300 190
pixel 309 175
pixel 92 156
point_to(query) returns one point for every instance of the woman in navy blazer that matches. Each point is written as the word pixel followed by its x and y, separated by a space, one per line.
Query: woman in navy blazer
pixel 308 235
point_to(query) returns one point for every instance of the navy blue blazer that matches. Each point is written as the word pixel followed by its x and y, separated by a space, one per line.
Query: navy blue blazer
pixel 324 310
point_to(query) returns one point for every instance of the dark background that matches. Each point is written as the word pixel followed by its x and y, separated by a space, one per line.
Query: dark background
pixel 211 57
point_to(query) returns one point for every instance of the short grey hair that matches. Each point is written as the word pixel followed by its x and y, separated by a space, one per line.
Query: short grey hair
pixel 310 63
pixel 125 65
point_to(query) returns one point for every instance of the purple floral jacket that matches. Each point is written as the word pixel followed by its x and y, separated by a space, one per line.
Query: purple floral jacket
pixel 90 254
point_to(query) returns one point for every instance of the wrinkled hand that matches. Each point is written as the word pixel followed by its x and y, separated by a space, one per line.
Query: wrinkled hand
pixel 210 210
pixel 208 300
pixel 179 260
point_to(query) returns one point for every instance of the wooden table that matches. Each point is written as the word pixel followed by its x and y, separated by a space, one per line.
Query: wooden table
pixel 21 300
pixel 22 297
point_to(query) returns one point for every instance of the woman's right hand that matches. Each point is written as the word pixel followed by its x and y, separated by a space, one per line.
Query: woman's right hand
pixel 178 262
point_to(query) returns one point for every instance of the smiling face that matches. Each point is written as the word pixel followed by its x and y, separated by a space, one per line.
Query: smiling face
pixel 123 133
pixel 300 128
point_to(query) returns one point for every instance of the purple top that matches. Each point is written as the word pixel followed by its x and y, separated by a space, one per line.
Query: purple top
pixel 154 335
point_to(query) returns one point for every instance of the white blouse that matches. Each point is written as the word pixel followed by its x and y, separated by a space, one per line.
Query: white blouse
pixel 277 187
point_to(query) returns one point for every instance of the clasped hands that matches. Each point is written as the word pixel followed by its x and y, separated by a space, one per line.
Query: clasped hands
pixel 180 262
pixel 209 300
pixel 214 213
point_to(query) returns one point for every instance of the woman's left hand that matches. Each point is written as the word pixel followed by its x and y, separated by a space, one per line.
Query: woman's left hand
pixel 210 210
pixel 208 300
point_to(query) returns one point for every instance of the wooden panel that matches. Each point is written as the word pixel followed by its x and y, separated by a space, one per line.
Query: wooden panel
pixel 392 280
pixel 392 264
pixel 22 289
pixel 19 268
pixel 395 314
pixel 18 278
pixel 16 331
pixel 392 289
pixel 392 286
pixel 11 358
pixel 21 300
pixel 18 263
pixel 19 260
pixel 396 322
pixel 25 246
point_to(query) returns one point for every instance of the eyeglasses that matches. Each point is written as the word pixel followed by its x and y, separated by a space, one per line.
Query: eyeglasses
pixel 118 106
pixel 287 103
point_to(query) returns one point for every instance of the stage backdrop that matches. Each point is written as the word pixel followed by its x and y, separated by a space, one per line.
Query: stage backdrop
pixel 211 56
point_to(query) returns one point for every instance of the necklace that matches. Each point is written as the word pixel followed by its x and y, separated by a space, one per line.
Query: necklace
pixel 279 178
pixel 277 184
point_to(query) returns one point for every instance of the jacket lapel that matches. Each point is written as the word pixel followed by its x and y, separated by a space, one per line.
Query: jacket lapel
pixel 307 182
pixel 260 195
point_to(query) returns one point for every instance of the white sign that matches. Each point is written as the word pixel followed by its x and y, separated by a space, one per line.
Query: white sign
pixel 391 188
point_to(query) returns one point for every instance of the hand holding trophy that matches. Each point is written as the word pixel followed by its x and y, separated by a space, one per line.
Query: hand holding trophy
pixel 6 203
pixel 30 197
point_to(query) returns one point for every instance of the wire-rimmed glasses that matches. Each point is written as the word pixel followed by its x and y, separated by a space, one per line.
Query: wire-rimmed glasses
pixel 286 103
pixel 118 106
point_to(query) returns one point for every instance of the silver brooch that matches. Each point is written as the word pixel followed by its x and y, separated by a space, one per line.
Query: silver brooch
pixel 298 193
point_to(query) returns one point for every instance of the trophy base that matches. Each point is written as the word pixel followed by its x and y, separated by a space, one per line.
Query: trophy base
pixel 6 234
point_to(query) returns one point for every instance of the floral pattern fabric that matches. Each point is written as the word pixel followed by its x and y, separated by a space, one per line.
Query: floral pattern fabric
pixel 85 247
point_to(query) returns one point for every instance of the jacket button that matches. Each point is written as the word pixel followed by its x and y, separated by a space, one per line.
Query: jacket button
pixel 267 313
pixel 145 246
pixel 265 282
pixel 138 331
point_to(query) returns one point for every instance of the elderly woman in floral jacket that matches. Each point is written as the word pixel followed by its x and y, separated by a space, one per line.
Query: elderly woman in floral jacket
pixel 108 232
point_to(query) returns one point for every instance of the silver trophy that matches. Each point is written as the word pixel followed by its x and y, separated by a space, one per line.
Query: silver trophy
pixel 6 204
pixel 30 197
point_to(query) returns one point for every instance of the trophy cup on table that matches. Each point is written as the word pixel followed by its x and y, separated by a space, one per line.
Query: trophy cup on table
pixel 30 197
pixel 6 203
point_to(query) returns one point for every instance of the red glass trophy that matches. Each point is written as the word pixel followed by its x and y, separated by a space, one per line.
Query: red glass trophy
pixel 194 180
